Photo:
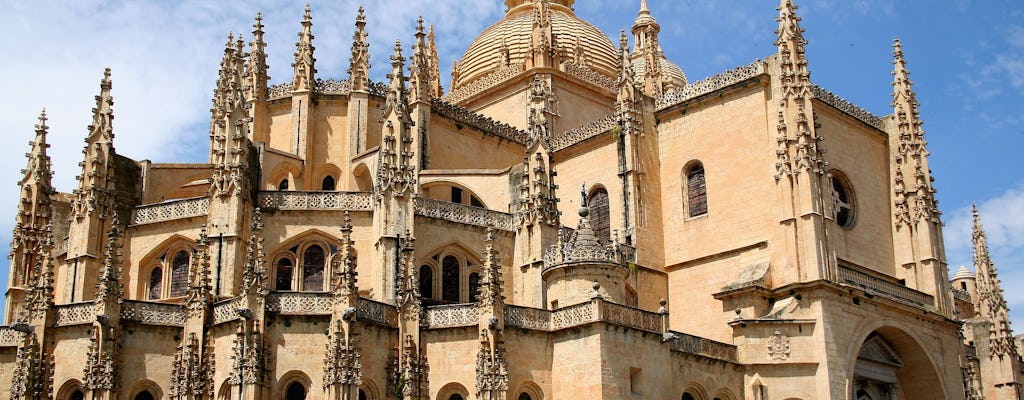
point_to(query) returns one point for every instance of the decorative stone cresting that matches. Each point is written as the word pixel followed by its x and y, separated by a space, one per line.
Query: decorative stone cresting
pixel 709 85
pixel 485 82
pixel 585 73
pixel 332 87
pixel 847 107
pixel 487 124
pixel 463 214
pixel 172 210
pixel 581 134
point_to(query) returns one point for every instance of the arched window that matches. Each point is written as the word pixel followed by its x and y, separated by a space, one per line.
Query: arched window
pixel 328 183
pixel 842 200
pixel 283 185
pixel 284 274
pixel 474 287
pixel 295 391
pixel 696 191
pixel 525 396
pixel 144 395
pixel 455 396
pixel 156 281
pixel 313 269
pixel 426 282
pixel 450 282
pixel 597 201
pixel 688 396
pixel 179 273
pixel 362 394
pixel 77 395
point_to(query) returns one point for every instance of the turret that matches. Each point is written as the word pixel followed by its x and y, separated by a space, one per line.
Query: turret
pixel 645 39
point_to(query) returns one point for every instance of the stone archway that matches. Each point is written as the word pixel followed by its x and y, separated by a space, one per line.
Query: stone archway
pixel 891 365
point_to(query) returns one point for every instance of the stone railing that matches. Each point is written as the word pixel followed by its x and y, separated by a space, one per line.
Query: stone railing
pixel 847 107
pixel 709 85
pixel 583 72
pixel 9 337
pixel 286 200
pixel 332 86
pixel 632 317
pixel 375 311
pixel 463 214
pixel 150 313
pixel 961 295
pixel 465 91
pixel 527 318
pixel 279 91
pixel 451 315
pixel 300 303
pixel 574 315
pixel 581 134
pixel 75 313
pixel 172 210
pixel 884 288
pixel 478 121
pixel 225 310
pixel 696 345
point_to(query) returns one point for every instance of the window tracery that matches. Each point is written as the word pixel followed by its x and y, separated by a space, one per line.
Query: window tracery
pixel 166 274
pixel 303 266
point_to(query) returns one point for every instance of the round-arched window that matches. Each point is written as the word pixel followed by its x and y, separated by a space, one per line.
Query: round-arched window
pixel 687 396
pixel 455 396
pixel 143 395
pixel 843 204
pixel 283 185
pixel 524 396
pixel 474 287
pixel 450 282
pixel 328 183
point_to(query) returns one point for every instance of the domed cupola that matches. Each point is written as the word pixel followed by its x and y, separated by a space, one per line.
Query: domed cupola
pixel 664 75
pixel 528 28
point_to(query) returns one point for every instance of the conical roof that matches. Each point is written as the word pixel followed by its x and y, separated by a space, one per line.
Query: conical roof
pixel 963 273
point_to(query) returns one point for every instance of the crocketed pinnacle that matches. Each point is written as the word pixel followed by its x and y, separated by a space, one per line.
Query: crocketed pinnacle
pixel 396 100
pixel 991 303
pixel 91 194
pixel 359 63
pixel 915 200
pixel 490 283
pixel 38 169
pixel 419 71
pixel 254 276
pixel 258 67
pixel 344 263
pixel 791 45
pixel 108 285
pixel 304 65
pixel 102 128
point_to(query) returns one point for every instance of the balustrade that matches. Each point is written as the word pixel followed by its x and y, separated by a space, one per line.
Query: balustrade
pixel 153 313
pixel 884 288
pixel 290 200
pixel 75 313
pixel 171 210
pixel 463 214
pixel 453 315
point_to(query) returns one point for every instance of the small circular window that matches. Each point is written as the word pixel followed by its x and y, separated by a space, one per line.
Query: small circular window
pixel 843 205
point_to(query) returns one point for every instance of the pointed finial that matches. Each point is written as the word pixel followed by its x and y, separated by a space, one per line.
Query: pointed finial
pixel 419 26
pixel 259 21
pixel 42 120
pixel 643 7
pixel 307 16
pixel 623 41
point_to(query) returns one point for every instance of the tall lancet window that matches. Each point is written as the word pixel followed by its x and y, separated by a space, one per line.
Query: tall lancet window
pixel 600 218
pixel 156 282
pixel 450 282
pixel 696 190
pixel 313 269
pixel 284 274
pixel 179 274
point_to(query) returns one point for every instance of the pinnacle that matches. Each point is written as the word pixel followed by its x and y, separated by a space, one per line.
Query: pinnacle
pixel 307 16
pixel 258 26
pixel 361 16
pixel 419 26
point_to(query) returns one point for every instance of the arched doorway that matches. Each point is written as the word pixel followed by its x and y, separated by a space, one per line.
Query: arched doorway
pixel 892 365
pixel 144 395
pixel 295 391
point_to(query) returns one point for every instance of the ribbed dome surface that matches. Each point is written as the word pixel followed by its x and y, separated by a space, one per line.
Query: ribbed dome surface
pixel 962 273
pixel 670 71
pixel 515 29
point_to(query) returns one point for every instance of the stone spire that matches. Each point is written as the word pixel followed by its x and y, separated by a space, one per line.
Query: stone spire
pixel 991 304
pixel 799 147
pixel 95 184
pixel 304 76
pixel 359 64
pixel 229 124
pixel 344 285
pixel 419 70
pixel 796 79
pixel 542 41
pixel 491 362
pixel 254 276
pixel 435 64
pixel 626 101
pixel 257 72
pixel 34 212
pixel 200 291
pixel 32 377
pixel 410 369
pixel 108 287
pixel 915 200
pixel 396 172
pixel 342 369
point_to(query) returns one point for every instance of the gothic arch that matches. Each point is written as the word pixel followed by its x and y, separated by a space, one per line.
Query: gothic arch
pixel 324 171
pixel 225 390
pixel 444 190
pixel 531 389
pixel 918 378
pixel 282 171
pixel 599 204
pixel 297 249
pixel 293 376
pixel 145 385
pixel 467 263
pixel 163 257
pixel 370 388
pixel 696 391
pixel 363 178
pixel 67 388
pixel 451 389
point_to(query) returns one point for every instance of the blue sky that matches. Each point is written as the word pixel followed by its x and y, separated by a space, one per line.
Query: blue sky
pixel 966 58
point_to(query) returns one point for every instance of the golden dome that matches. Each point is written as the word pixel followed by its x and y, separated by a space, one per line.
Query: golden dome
pixel 514 31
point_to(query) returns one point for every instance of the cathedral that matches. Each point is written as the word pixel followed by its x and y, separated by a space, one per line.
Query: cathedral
pixel 627 234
